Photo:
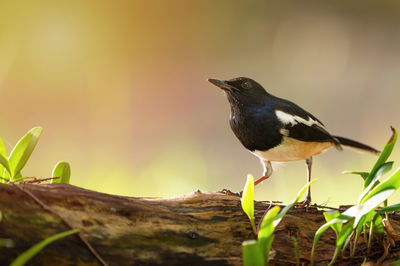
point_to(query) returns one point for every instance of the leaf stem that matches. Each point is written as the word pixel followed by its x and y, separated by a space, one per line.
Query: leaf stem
pixel 370 237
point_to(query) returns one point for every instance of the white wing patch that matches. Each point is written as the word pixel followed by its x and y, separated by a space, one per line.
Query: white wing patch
pixel 287 119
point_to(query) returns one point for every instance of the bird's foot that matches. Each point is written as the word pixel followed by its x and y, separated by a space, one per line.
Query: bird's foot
pixel 228 192
pixel 303 204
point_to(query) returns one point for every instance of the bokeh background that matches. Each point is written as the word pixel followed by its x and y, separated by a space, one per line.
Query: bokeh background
pixel 120 88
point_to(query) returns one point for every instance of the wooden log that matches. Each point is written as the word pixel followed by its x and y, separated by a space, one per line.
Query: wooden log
pixel 194 229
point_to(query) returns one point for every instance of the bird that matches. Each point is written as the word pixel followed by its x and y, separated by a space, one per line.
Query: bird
pixel 277 130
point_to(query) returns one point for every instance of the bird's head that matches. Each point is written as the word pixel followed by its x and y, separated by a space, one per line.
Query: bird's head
pixel 241 90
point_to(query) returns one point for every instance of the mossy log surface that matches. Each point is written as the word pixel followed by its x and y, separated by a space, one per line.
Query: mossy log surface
pixel 194 229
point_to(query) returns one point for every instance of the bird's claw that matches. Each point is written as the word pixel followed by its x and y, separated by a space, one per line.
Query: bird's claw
pixel 303 204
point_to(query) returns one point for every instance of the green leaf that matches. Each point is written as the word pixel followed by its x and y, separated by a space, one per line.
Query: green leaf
pixel 344 233
pixel 391 208
pixel 2 148
pixel 23 150
pixel 342 237
pixel 4 164
pixel 357 212
pixel 248 200
pixel 267 229
pixel 384 168
pixel 396 263
pixel 17 176
pixel 340 219
pixel 387 150
pixel 392 182
pixel 347 242
pixel 369 217
pixel 337 227
pixel 252 254
pixel 273 218
pixel 4 154
pixel 289 206
pixel 378 226
pixel 372 203
pixel 62 170
pixel 358 231
pixel 268 246
pixel 31 252
pixel 364 175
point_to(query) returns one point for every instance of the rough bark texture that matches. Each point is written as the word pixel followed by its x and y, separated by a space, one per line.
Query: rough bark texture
pixel 194 229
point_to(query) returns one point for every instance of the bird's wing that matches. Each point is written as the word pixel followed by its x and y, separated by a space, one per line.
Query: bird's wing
pixel 301 125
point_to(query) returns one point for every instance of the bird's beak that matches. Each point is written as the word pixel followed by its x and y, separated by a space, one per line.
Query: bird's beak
pixel 222 84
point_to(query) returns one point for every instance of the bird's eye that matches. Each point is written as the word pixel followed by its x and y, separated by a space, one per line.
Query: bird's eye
pixel 246 85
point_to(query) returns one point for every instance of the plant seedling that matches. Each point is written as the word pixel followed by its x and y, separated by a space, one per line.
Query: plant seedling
pixel 62 170
pixel 11 166
pixel 256 252
pixel 364 215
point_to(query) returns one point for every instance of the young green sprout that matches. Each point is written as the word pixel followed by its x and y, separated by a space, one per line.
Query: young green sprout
pixel 62 170
pixel 11 166
pixel 364 214
pixel 19 155
pixel 256 252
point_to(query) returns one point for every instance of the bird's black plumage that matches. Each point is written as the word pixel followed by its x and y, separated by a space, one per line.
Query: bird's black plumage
pixel 275 129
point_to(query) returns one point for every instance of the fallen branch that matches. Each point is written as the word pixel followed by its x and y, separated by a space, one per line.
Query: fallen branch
pixel 194 229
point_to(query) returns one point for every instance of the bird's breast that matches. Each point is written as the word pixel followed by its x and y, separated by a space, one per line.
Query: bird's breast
pixel 255 132
pixel 291 150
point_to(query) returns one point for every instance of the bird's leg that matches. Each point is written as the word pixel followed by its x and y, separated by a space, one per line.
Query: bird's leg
pixel 307 200
pixel 309 164
pixel 267 172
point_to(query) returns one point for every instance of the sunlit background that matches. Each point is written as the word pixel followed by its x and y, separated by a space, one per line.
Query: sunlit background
pixel 120 88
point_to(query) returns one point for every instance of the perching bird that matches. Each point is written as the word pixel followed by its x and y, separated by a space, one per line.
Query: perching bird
pixel 277 130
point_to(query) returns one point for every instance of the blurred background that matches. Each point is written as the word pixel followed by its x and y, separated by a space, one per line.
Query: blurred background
pixel 120 89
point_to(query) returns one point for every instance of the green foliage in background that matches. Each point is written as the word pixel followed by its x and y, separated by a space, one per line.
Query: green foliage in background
pixel 11 166
pixel 349 225
pixel 256 252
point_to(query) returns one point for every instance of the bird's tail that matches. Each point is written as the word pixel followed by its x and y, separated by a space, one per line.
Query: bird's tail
pixel 356 145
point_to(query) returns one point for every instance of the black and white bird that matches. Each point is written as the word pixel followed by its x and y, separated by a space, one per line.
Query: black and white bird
pixel 277 130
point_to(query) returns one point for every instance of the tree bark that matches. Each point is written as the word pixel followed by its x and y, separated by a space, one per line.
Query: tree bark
pixel 194 229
